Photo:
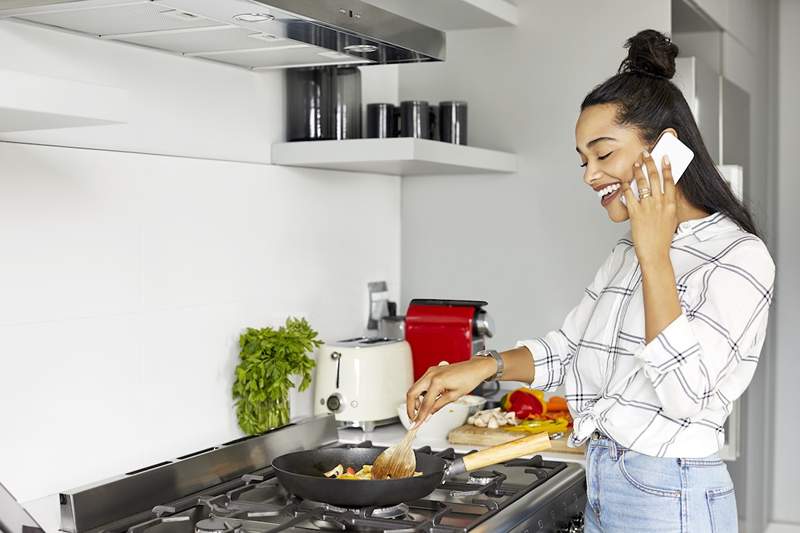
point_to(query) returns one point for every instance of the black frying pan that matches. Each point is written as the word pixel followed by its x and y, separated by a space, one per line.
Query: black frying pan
pixel 301 473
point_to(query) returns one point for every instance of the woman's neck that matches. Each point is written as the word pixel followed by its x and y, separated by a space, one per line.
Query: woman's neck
pixel 687 211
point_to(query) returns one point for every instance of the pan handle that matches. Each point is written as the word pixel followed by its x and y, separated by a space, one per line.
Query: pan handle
pixel 498 454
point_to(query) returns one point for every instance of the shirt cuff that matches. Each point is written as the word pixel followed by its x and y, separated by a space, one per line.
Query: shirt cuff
pixel 544 359
pixel 675 345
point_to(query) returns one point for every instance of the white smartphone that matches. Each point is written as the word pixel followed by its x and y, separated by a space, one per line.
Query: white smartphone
pixel 679 154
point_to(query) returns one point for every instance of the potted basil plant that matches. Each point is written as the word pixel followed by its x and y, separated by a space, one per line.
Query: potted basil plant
pixel 269 358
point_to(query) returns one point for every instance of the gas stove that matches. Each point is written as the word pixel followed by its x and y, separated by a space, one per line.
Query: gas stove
pixel 232 489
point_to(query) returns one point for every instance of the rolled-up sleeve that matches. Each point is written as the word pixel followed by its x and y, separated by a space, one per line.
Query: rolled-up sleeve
pixel 707 356
pixel 553 352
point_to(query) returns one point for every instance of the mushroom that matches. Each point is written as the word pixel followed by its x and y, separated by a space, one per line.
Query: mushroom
pixel 337 471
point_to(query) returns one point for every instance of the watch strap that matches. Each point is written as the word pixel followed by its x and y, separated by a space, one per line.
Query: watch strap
pixel 498 360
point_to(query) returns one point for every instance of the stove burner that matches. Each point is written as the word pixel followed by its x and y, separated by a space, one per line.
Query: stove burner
pixel 211 525
pixel 396 511
pixel 482 477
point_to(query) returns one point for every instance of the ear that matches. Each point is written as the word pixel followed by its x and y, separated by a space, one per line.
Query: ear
pixel 670 130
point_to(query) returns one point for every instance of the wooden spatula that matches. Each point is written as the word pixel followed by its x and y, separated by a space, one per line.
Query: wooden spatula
pixel 398 461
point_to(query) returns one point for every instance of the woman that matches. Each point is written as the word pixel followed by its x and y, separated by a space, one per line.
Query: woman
pixel 668 333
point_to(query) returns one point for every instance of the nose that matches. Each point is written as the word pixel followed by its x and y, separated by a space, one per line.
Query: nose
pixel 591 175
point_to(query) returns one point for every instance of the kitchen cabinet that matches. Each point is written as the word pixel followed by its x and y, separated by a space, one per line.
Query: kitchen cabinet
pixel 33 102
pixel 400 156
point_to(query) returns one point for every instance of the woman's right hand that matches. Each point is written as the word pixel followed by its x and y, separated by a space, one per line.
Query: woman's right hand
pixel 441 385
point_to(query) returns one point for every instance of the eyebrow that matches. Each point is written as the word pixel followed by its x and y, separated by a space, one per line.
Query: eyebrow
pixel 594 141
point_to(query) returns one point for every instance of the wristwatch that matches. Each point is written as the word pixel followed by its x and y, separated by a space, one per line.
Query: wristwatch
pixel 498 359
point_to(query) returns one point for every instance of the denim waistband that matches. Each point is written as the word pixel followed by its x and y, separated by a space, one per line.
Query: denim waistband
pixel 600 440
pixel 615 450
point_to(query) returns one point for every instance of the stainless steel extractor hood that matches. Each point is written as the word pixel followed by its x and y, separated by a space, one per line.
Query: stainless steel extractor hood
pixel 255 34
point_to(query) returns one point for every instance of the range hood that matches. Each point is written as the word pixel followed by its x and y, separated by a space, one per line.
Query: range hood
pixel 254 34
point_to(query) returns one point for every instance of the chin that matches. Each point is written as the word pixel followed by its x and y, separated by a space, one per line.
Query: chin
pixel 617 212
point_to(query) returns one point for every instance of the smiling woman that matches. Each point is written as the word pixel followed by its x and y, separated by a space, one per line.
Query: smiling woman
pixel 669 331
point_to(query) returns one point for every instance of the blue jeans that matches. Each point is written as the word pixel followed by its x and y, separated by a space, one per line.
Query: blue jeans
pixel 630 492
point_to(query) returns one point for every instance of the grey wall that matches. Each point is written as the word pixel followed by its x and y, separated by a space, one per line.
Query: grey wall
pixel 527 243
pixel 785 470
pixel 741 52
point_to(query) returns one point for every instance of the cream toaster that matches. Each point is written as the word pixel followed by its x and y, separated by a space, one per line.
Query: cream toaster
pixel 363 380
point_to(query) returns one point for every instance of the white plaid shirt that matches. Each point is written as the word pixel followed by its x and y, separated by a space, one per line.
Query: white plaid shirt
pixel 669 398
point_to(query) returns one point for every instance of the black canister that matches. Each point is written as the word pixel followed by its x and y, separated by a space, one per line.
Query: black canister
pixel 323 103
pixel 382 121
pixel 417 119
pixel 453 122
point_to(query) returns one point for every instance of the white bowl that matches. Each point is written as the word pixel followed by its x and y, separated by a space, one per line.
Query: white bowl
pixel 441 423
pixel 475 403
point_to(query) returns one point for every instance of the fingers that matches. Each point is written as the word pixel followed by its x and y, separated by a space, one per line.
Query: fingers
pixel 652 175
pixel 444 399
pixel 426 407
pixel 413 394
pixel 630 198
pixel 669 183
pixel 638 175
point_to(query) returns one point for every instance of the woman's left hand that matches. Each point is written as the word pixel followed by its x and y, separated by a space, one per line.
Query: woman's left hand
pixel 653 218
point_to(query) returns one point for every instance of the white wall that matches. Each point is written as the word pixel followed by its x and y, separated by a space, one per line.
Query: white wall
pixel 786 468
pixel 529 242
pixel 125 279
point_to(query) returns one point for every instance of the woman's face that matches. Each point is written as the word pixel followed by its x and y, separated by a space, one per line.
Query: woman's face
pixel 607 152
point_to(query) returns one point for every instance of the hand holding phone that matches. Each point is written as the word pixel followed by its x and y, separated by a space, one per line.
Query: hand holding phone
pixel 679 155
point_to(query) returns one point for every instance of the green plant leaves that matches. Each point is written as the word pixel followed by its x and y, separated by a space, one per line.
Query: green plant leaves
pixel 268 359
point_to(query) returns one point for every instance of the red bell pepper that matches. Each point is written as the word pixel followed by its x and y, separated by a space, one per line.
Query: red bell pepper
pixel 525 403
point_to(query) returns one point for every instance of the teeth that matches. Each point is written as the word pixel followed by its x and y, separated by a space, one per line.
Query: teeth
pixel 608 190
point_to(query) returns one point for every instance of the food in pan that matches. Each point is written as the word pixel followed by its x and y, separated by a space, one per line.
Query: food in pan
pixel 340 472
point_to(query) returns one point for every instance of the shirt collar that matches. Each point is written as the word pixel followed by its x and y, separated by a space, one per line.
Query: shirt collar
pixel 706 227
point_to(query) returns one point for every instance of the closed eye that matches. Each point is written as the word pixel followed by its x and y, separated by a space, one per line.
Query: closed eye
pixel 600 158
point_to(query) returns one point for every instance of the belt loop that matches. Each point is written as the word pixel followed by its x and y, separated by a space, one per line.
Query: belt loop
pixel 612 449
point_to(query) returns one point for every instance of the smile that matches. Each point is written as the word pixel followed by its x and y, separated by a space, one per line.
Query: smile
pixel 607 194
pixel 608 190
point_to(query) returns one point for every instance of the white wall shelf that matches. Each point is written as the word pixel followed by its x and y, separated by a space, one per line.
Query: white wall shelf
pixel 454 14
pixel 34 102
pixel 400 156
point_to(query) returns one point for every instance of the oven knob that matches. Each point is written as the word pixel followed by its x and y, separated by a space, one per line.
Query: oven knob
pixel 335 403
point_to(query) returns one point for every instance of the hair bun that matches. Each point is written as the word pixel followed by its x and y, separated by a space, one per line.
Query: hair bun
pixel 651 52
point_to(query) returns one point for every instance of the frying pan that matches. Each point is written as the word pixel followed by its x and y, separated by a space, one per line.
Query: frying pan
pixel 301 473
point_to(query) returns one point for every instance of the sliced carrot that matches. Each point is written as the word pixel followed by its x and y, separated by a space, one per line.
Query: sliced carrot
pixel 557 403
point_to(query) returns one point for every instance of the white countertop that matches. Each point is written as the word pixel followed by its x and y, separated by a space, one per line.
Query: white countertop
pixel 392 434
pixel 46 512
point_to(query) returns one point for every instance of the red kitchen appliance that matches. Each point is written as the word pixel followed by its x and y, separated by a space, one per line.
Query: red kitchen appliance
pixel 445 330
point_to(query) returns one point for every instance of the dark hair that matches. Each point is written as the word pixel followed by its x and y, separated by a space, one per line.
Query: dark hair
pixel 649 101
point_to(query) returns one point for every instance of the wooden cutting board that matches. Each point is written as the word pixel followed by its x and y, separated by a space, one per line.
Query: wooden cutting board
pixel 473 435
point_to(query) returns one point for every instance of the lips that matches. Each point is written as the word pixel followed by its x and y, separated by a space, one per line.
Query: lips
pixel 609 197
pixel 607 189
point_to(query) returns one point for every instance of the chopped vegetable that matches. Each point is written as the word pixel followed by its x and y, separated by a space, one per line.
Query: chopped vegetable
pixel 558 425
pixel 339 472
pixel 492 418
pixel 525 403
pixel 557 403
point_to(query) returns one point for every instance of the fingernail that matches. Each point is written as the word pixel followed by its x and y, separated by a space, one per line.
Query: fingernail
pixel 637 164
pixel 646 153
pixel 666 160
